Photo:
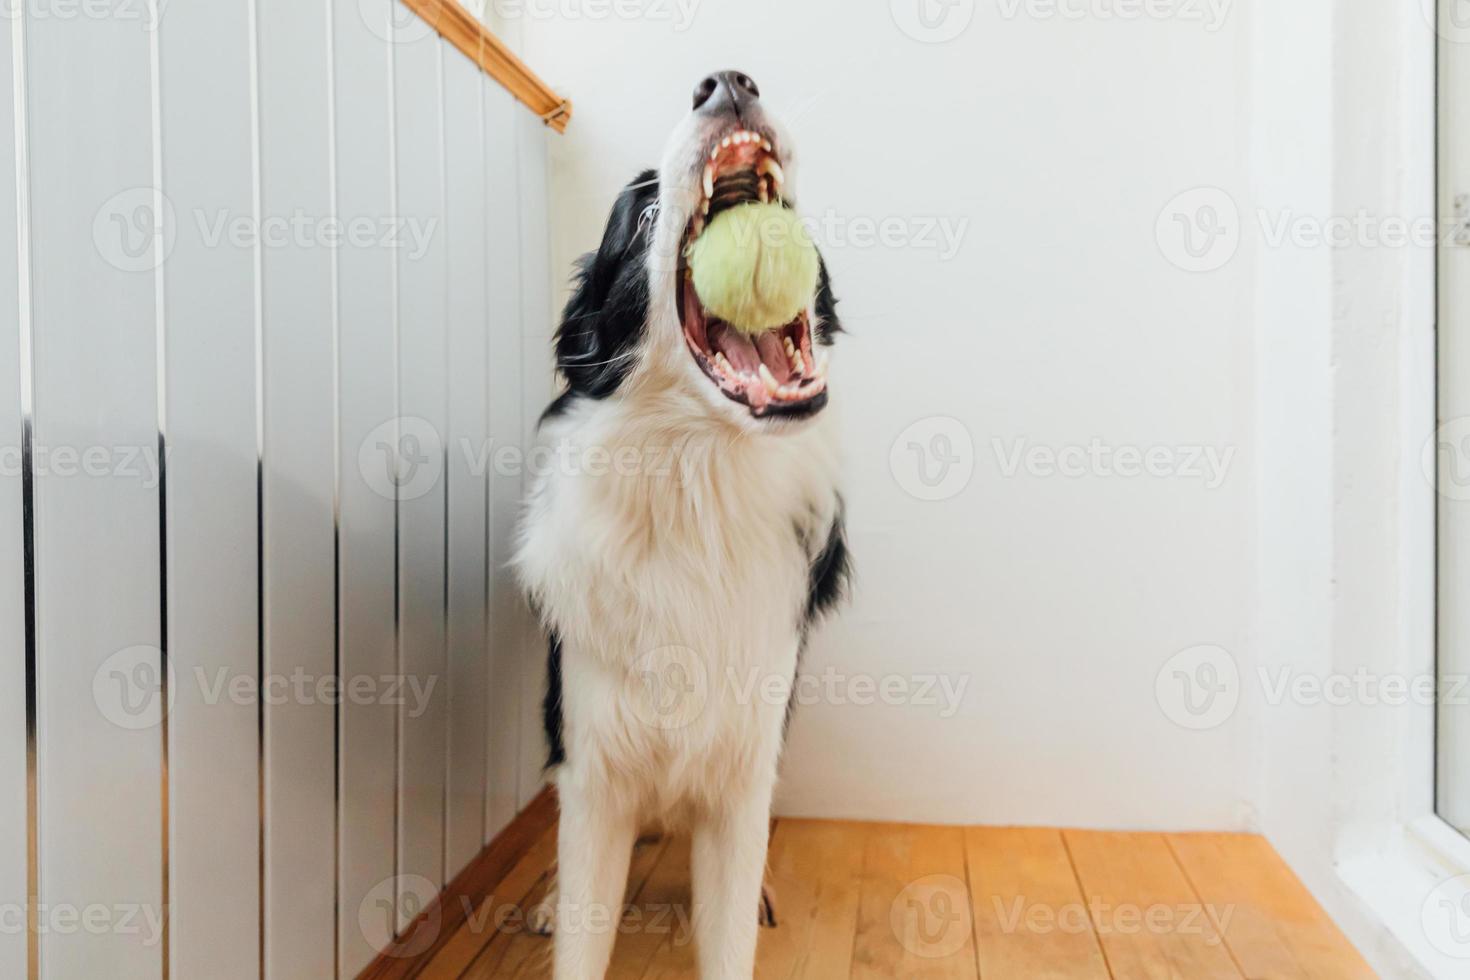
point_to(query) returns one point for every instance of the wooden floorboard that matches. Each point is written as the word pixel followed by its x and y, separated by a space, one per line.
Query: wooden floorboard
pixel 887 901
pixel 500 911
pixel 914 911
pixel 1030 916
pixel 1150 922
pixel 815 889
pixel 1272 925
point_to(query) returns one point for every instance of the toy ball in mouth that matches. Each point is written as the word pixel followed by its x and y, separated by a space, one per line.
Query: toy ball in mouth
pixel 755 267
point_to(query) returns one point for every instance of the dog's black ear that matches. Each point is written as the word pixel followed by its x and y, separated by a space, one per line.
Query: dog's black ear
pixel 608 311
pixel 828 323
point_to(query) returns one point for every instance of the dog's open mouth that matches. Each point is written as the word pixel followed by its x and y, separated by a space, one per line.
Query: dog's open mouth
pixel 776 372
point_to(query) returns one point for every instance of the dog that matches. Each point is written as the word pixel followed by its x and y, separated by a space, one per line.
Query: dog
pixel 682 551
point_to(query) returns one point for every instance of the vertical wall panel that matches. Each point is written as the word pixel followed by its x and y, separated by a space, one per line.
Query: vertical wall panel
pixel 536 330
pixel 508 626
pixel 97 536
pixel 369 771
pixel 13 864
pixel 209 377
pixel 299 255
pixel 299 418
pixel 464 119
pixel 418 114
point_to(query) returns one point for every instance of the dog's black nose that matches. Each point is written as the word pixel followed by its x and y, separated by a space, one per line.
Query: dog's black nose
pixel 726 91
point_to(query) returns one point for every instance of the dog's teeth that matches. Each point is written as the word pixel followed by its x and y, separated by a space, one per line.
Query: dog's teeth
pixel 725 143
pixel 766 145
pixel 709 181
pixel 768 379
pixel 771 167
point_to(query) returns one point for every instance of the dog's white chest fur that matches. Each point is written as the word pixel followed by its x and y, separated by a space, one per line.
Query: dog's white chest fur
pixel 672 557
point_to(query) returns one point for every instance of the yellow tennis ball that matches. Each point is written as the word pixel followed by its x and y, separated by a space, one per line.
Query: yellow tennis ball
pixel 755 266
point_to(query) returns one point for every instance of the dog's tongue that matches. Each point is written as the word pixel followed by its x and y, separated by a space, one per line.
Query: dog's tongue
pixel 746 353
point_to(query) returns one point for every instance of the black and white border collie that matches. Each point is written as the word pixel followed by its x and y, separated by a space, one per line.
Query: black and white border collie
pixel 680 559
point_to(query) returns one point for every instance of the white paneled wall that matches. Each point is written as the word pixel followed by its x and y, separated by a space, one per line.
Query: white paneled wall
pixel 271 278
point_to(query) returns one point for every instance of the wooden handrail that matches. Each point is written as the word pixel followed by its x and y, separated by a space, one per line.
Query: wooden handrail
pixel 464 30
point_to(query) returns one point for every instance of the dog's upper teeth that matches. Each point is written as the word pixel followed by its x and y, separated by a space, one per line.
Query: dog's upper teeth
pixel 725 143
pixel 772 168
pixel 709 180
pixel 766 145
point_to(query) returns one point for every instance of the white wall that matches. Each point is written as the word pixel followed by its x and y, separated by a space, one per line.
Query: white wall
pixel 252 254
pixel 1054 144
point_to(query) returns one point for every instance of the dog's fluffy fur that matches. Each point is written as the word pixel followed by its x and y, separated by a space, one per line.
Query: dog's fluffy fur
pixel 677 585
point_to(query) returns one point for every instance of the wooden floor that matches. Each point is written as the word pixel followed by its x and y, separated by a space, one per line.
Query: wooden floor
pixel 890 901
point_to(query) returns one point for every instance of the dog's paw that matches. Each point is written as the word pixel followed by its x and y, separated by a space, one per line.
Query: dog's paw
pixel 541 917
pixel 768 909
